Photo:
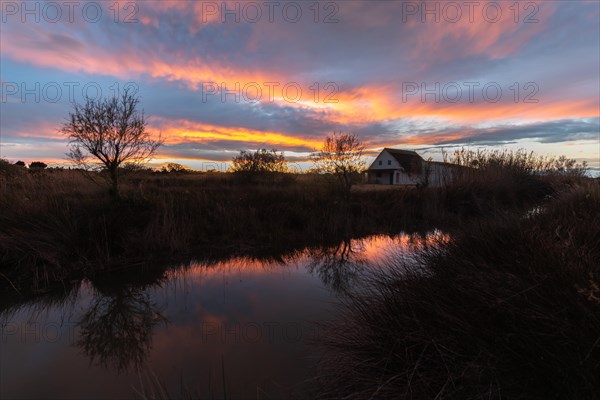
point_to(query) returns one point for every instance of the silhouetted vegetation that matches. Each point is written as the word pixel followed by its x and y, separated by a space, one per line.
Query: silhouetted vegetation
pixel 260 166
pixel 109 135
pixel 174 168
pixel 517 162
pixel 260 161
pixel 342 156
pixel 37 165
pixel 56 224
pixel 507 309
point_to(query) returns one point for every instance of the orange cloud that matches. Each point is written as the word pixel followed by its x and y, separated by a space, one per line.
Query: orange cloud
pixel 381 103
pixel 185 131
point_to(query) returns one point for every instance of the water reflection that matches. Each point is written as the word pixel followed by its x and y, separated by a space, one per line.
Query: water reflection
pixel 236 327
pixel 339 267
pixel 116 330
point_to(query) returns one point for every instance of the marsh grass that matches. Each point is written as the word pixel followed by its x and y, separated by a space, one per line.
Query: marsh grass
pixel 509 309
pixel 56 225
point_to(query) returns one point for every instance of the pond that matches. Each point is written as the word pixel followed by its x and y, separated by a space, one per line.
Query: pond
pixel 240 328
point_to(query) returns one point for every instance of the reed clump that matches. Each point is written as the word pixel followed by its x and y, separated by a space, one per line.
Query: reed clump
pixel 508 309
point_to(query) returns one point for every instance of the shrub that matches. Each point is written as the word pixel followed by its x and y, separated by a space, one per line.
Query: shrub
pixel 267 166
pixel 517 162
pixel 8 170
pixel 174 168
pixel 260 161
pixel 37 165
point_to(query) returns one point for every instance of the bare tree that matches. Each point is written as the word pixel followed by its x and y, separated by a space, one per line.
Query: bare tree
pixel 342 157
pixel 265 166
pixel 260 161
pixel 109 134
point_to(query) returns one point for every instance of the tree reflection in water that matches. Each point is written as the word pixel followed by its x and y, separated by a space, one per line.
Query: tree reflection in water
pixel 116 331
pixel 338 267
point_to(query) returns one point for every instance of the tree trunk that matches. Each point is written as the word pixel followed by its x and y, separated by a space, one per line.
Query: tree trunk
pixel 114 178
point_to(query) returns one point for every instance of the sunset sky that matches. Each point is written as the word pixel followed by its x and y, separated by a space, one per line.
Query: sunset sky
pixel 413 75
